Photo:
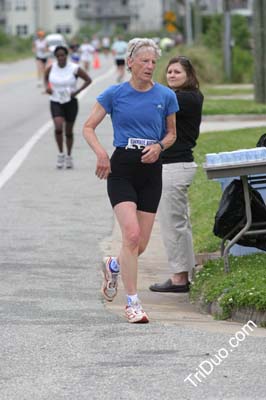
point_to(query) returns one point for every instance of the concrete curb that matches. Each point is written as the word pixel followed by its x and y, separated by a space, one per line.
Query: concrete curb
pixel 242 315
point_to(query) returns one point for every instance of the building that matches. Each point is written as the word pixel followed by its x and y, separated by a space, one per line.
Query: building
pixel 147 15
pixel 2 14
pixel 217 6
pixel 24 17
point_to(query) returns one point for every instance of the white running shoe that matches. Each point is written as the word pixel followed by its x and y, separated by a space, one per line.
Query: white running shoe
pixel 60 160
pixel 135 314
pixel 69 162
pixel 110 280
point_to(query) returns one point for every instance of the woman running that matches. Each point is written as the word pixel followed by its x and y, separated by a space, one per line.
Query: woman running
pixel 143 118
pixel 61 84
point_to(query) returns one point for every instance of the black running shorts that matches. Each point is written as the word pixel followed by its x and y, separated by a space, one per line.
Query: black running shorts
pixel 68 110
pixel 120 61
pixel 43 60
pixel 132 180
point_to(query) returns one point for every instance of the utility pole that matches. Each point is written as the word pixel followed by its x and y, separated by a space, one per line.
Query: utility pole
pixel 188 22
pixel 197 21
pixel 259 40
pixel 227 41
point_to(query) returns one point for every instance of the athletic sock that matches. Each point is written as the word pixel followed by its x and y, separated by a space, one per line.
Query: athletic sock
pixel 132 298
pixel 114 266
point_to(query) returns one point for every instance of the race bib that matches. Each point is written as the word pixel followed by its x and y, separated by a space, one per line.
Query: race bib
pixel 64 95
pixel 139 144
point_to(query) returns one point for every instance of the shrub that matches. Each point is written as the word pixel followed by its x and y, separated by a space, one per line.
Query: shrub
pixel 242 60
pixel 212 31
pixel 240 32
pixel 207 64
pixel 243 64
pixel 4 38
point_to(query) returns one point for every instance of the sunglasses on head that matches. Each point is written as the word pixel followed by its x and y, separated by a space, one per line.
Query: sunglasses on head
pixel 133 48
pixel 184 58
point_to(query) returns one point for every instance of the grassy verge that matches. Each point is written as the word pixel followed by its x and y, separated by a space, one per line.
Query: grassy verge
pixel 243 287
pixel 14 48
pixel 214 91
pixel 11 55
pixel 232 106
pixel 206 63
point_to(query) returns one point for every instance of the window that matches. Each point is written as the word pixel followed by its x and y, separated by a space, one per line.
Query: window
pixel 7 6
pixel 62 4
pixel 20 5
pixel 63 29
pixel 21 30
pixel 83 4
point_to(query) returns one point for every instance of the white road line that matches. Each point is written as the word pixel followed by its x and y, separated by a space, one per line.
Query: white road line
pixel 17 160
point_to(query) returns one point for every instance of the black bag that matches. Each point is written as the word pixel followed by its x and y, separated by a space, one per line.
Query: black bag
pixel 231 215
pixel 262 141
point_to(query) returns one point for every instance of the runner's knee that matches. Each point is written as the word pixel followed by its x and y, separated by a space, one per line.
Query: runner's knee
pixel 132 237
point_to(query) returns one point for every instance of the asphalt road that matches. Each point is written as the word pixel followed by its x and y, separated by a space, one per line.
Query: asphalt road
pixel 58 341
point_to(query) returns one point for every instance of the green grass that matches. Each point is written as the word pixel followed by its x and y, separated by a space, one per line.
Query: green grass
pixel 205 194
pixel 206 62
pixel 9 54
pixel 14 48
pixel 232 106
pixel 243 287
pixel 214 91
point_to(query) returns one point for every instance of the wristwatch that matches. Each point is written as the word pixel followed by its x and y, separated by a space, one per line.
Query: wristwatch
pixel 161 145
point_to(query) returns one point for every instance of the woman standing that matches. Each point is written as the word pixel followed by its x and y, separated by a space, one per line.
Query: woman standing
pixel 61 84
pixel 179 169
pixel 143 118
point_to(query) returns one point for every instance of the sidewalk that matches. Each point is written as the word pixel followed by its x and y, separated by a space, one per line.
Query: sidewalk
pixel 228 122
pixel 166 308
pixel 171 308
pixel 213 123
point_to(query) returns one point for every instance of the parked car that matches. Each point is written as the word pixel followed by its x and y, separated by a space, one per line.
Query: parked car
pixel 53 40
pixel 167 44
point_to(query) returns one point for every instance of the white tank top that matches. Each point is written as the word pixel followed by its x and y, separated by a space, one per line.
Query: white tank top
pixel 63 81
pixel 41 48
pixel 87 51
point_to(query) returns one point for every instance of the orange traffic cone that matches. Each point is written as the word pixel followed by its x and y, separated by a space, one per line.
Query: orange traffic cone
pixel 96 61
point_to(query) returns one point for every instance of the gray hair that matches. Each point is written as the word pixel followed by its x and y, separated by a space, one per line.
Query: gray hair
pixel 135 44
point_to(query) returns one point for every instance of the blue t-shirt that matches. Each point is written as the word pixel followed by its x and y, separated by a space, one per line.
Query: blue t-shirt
pixel 138 114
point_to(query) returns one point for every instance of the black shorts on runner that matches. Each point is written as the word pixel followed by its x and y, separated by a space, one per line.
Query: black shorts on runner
pixel 120 62
pixel 43 60
pixel 132 180
pixel 68 110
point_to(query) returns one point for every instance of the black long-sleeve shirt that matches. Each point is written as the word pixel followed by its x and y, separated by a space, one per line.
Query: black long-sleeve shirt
pixel 188 120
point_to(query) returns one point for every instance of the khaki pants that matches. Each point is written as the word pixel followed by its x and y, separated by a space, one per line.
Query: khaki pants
pixel 174 216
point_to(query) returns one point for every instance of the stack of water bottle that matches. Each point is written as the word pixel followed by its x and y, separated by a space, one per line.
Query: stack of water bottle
pixel 243 156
